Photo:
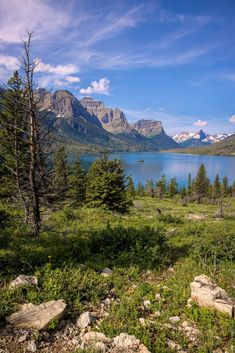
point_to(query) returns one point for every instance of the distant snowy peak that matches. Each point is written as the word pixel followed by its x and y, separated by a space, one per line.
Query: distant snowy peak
pixel 198 138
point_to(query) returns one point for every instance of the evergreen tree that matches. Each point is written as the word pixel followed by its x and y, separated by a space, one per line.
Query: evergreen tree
pixel 130 189
pixel 106 185
pixel 216 189
pixel 201 183
pixel 225 187
pixel 60 173
pixel 149 187
pixel 77 183
pixel 161 187
pixel 189 185
pixel 172 187
pixel 183 192
pixel 140 189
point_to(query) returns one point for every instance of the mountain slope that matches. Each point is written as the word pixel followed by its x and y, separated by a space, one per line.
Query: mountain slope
pixel 153 130
pixel 225 147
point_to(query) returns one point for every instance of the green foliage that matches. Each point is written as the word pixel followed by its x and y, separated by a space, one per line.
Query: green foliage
pixel 130 189
pixel 106 185
pixel 60 172
pixel 216 188
pixel 77 183
pixel 201 183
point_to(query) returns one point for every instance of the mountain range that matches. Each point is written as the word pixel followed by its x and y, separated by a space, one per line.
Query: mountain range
pixel 90 123
pixel 200 138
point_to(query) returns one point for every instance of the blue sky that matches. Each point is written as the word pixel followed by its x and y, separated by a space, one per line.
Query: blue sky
pixel 170 60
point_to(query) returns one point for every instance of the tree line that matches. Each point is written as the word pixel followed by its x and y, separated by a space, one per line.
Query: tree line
pixel 197 189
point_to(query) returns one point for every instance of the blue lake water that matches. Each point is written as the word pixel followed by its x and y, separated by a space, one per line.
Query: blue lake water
pixel 155 164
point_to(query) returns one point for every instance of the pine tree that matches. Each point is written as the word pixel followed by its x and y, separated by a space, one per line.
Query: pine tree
pixel 130 189
pixel 216 188
pixel 106 185
pixel 189 185
pixel 77 183
pixel 149 188
pixel 140 189
pixel 201 183
pixel 225 187
pixel 183 192
pixel 161 187
pixel 60 173
pixel 172 187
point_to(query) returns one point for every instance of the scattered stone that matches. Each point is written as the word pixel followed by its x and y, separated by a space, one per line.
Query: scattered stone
pixel 147 304
pixel 189 303
pixel 157 313
pixel 23 338
pixel 84 320
pixel 96 336
pixel 106 272
pixel 75 341
pixel 174 319
pixel 31 347
pixel 158 296
pixel 142 321
pixel 23 280
pixel 190 331
pixel 207 294
pixel 194 217
pixel 37 317
pixel 173 345
pixel 128 343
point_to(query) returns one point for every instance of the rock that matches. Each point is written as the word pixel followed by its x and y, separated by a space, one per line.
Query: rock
pixel 84 320
pixel 128 343
pixel 147 304
pixel 23 338
pixel 157 313
pixel 194 217
pixel 31 347
pixel 23 280
pixel 172 345
pixel 106 272
pixel 142 321
pixel 75 341
pixel 37 317
pixel 174 319
pixel 158 296
pixel 207 294
pixel 189 303
pixel 190 331
pixel 97 337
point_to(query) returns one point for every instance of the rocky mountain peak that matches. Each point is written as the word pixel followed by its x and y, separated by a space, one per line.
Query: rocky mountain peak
pixel 149 128
pixel 112 119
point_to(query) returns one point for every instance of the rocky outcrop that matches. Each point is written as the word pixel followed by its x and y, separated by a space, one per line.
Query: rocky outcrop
pixel 37 317
pixel 23 280
pixel 148 128
pixel 207 294
pixel 153 130
pixel 112 120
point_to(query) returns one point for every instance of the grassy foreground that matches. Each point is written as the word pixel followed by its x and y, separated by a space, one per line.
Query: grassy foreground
pixel 149 254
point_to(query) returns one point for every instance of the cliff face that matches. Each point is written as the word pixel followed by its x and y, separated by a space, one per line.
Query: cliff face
pixel 112 120
pixel 65 105
pixel 153 130
pixel 148 128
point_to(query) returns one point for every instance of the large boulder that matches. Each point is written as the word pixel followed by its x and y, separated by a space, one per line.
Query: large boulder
pixel 37 317
pixel 23 280
pixel 207 294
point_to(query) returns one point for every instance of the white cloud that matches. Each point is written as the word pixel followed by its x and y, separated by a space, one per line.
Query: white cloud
pixel 97 87
pixel 10 63
pixel 56 69
pixel 57 75
pixel 201 123
pixel 232 119
pixel 38 16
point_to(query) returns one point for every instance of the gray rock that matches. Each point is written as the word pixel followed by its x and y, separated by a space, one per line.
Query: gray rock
pixel 128 343
pixel 31 347
pixel 207 294
pixel 174 319
pixel 106 272
pixel 37 317
pixel 96 337
pixel 84 320
pixel 23 280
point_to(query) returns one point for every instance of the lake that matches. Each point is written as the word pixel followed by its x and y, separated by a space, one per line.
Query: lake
pixel 146 165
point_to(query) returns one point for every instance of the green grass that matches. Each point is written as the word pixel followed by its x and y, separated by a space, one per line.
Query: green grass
pixel 148 253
